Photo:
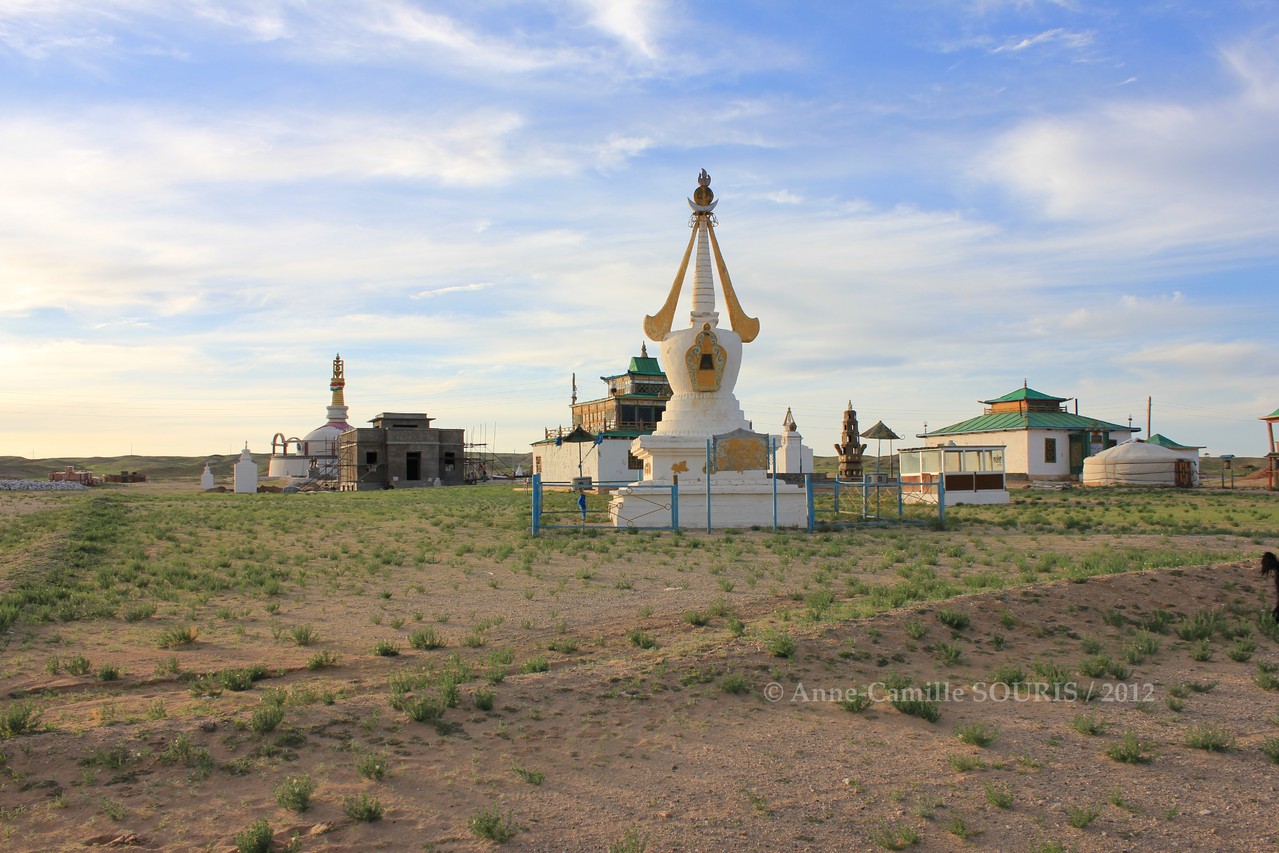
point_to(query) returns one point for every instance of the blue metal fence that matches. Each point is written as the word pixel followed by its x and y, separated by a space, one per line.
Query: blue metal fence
pixel 568 506
pixel 869 503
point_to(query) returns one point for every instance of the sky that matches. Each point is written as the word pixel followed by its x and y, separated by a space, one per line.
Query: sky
pixel 926 204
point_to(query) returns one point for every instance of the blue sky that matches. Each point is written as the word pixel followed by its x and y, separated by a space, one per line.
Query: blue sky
pixel 925 203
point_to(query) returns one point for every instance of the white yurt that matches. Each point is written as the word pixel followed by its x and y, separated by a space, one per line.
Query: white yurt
pixel 1136 463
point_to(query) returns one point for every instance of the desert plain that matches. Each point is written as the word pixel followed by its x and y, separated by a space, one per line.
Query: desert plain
pixel 412 670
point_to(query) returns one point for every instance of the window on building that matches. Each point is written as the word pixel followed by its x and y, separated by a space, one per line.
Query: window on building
pixel 449 460
pixel 1050 450
pixel 633 463
pixel 370 457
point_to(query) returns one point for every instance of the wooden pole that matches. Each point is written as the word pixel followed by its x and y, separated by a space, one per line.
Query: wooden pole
pixel 1148 433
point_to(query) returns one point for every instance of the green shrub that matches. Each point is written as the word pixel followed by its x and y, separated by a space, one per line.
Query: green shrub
pixel 492 825
pixel 322 660
pixel 734 682
pixel 425 639
pixel 697 618
pixel 1010 674
pixel 894 836
pixel 178 636
pixel 255 839
pixel 483 699
pixel 1131 750
pixel 386 649
pixel 537 664
pixel 138 612
pixel 19 718
pixel 304 635
pixel 1270 748
pixel 294 792
pixel 954 619
pixel 265 718
pixel 1208 737
pixel 929 711
pixel 363 808
pixel 78 665
pixel 640 639
pixel 779 644
pixel 372 766
pixel 1089 724
pixel 109 672
pixel 977 734
pixel 1081 816
pixel 1000 796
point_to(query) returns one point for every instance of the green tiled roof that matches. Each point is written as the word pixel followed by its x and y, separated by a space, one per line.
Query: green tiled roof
pixel 1024 394
pixel 645 366
pixel 1005 421
pixel 1162 440
pixel 1274 414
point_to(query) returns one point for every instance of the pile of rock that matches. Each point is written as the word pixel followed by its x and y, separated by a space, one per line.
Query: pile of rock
pixel 40 486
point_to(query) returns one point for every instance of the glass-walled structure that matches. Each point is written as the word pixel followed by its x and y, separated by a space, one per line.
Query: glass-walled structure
pixel 973 474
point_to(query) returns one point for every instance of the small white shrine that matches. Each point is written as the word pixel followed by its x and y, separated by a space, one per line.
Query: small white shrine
pixel 206 479
pixel 792 456
pixel 703 437
pixel 246 474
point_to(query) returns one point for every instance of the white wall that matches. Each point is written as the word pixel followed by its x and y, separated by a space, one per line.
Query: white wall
pixel 1025 453
pixel 604 463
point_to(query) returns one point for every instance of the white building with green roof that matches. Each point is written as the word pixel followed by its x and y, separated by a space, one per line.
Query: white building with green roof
pixel 1043 440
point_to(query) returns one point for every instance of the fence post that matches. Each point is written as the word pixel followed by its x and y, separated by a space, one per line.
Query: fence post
pixel 772 440
pixel 708 484
pixel 837 496
pixel 808 493
pixel 941 499
pixel 675 502
pixel 537 502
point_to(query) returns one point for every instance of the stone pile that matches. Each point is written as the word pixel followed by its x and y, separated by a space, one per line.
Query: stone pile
pixel 40 486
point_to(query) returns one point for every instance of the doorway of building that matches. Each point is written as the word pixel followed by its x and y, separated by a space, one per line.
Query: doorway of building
pixel 413 465
pixel 1078 444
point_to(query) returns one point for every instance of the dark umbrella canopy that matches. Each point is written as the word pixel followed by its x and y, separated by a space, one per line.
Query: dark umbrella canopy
pixel 880 431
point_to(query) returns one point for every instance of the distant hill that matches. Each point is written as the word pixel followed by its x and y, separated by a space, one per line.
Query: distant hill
pixel 155 467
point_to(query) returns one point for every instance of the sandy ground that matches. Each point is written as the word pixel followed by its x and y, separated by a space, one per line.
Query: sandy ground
pixel 621 738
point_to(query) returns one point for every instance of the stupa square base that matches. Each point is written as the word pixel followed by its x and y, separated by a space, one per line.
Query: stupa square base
pixel 736 501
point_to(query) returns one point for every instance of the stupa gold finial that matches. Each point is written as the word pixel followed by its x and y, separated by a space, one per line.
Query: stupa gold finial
pixel 337 383
pixel 658 326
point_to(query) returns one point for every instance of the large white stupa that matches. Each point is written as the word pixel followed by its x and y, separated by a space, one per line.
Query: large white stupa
pixel 702 363
pixel 315 456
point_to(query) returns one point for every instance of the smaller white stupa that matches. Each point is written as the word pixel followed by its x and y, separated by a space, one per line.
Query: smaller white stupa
pixel 246 474
pixel 792 456
pixel 316 455
pixel 206 479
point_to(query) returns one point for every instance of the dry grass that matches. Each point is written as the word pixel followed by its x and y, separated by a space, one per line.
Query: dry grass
pixel 630 671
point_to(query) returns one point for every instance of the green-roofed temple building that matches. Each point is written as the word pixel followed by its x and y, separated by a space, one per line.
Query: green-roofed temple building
pixel 1043 440
pixel 633 406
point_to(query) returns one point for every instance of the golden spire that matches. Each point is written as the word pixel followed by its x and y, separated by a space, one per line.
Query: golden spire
pixel 658 326
pixel 337 383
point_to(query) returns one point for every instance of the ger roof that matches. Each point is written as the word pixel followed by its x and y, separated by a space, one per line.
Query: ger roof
pixel 1161 440
pixel 1024 393
pixel 1007 421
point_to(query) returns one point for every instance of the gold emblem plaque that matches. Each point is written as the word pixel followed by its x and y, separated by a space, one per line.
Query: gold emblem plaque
pixel 705 360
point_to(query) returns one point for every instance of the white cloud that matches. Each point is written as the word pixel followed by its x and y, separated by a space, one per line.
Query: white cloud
pixel 456 288
pixel 632 22
pixel 1055 36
